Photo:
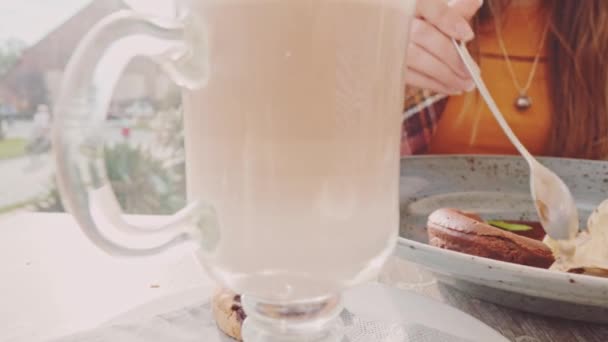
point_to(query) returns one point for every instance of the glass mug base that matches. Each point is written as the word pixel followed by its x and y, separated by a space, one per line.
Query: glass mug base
pixel 314 320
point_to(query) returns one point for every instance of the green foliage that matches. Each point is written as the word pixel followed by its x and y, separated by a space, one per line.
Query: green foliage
pixel 12 148
pixel 143 185
pixel 10 52
pixel 51 202
pixel 145 181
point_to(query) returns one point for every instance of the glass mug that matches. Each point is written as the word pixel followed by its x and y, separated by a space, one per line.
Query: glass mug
pixel 292 133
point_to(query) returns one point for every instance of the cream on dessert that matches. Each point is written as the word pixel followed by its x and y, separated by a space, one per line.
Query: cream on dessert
pixel 588 252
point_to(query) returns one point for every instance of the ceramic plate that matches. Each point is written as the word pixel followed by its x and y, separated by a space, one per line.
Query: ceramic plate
pixel 498 188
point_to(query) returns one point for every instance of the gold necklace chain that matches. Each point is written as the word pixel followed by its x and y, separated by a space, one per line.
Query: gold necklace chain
pixel 522 90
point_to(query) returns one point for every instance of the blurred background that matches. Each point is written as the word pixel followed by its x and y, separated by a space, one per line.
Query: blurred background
pixel 144 149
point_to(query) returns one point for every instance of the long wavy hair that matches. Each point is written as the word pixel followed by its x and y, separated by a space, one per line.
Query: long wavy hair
pixel 577 48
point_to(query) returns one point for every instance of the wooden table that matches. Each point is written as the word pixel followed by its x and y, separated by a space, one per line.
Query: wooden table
pixel 55 283
pixel 517 326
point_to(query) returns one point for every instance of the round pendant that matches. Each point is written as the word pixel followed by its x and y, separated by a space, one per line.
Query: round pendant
pixel 523 102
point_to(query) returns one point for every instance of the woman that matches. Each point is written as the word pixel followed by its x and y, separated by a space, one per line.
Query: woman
pixel 543 62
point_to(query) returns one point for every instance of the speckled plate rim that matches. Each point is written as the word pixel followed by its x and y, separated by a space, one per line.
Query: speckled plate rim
pixel 542 275
pixel 497 265
pixel 497 156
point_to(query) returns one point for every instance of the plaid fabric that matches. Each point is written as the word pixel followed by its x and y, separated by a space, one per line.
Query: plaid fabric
pixel 422 113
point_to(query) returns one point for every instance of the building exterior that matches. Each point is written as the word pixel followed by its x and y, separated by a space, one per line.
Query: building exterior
pixel 35 79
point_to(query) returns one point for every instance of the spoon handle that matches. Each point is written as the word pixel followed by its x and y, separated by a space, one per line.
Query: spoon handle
pixel 483 90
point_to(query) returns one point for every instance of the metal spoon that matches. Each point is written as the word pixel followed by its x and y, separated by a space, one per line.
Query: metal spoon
pixel 554 203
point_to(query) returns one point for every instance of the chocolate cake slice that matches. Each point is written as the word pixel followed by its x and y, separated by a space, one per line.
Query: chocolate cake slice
pixel 466 233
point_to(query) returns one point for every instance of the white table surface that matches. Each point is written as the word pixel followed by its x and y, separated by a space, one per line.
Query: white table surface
pixel 54 282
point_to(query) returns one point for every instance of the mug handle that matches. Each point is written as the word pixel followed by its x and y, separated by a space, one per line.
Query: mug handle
pixel 80 112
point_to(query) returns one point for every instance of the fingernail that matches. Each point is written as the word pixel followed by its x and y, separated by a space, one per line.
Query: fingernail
pixel 464 31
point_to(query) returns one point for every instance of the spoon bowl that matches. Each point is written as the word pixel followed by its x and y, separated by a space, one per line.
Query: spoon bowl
pixel 553 200
pixel 554 203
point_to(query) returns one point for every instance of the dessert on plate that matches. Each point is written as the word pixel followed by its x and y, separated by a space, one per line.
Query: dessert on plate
pixel 468 233
pixel 523 243
pixel 588 252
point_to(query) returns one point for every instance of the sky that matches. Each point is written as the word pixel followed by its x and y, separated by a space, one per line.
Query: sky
pixel 30 20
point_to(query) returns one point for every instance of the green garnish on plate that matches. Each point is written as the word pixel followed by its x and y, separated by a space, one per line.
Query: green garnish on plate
pixel 512 227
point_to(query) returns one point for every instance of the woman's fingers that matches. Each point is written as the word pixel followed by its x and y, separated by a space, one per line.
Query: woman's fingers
pixel 466 8
pixel 433 62
pixel 437 44
pixel 451 21
pixel 424 63
pixel 418 80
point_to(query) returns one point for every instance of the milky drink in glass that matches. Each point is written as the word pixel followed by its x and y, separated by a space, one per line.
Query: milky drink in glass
pixel 294 141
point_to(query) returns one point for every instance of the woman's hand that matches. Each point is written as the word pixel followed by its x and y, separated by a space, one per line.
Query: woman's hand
pixel 432 60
